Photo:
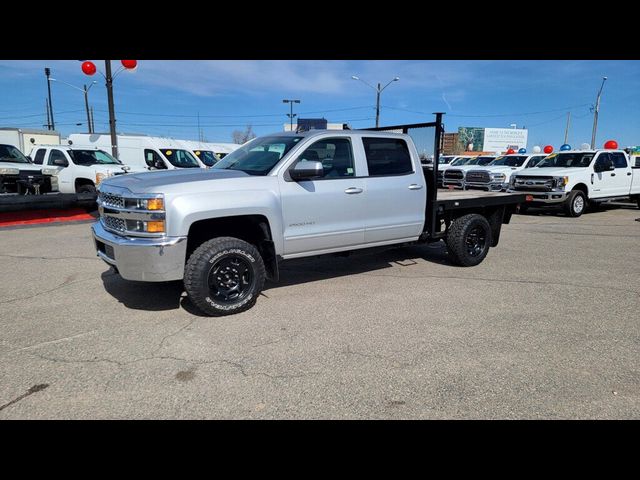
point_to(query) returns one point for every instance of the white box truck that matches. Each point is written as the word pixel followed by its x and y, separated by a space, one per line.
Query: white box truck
pixel 24 139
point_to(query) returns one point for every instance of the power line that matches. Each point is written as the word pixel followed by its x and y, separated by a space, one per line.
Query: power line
pixel 565 109
pixel 191 125
pixel 38 114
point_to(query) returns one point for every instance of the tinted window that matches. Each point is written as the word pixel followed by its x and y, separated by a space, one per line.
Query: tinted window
pixel 180 158
pixel 387 156
pixel 259 156
pixel 39 158
pixel 335 154
pixel 534 161
pixel 206 157
pixel 56 155
pixel 567 160
pixel 9 153
pixel 619 160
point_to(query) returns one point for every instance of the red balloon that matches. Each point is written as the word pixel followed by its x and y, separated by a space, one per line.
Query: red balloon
pixel 129 63
pixel 611 145
pixel 88 68
pixel 510 151
pixel 548 149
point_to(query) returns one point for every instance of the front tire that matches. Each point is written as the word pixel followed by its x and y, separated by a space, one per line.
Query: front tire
pixel 87 188
pixel 224 276
pixel 575 204
pixel 468 240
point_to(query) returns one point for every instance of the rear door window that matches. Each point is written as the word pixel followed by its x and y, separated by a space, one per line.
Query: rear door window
pixel 387 156
pixel 39 156
pixel 619 160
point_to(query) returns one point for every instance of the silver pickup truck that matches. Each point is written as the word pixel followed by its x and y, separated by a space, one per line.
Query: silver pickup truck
pixel 223 231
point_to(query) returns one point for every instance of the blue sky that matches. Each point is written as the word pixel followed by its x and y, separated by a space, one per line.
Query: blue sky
pixel 164 97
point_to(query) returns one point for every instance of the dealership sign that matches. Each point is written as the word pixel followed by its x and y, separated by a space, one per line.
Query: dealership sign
pixel 502 139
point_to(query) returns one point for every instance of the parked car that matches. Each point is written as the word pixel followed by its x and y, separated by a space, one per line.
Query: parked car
pixel 573 179
pixel 458 161
pixel 19 175
pixel 78 169
pixel 284 196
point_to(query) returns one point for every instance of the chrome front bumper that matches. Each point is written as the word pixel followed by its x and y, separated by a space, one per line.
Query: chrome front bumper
pixel 454 183
pixel 490 187
pixel 543 198
pixel 142 259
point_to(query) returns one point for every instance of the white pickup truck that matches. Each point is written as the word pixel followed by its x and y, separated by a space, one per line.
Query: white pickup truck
pixel 19 175
pixel 78 169
pixel 288 195
pixel 455 176
pixel 572 179
pixel 496 175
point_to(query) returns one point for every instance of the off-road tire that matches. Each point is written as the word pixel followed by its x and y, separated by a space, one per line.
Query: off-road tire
pixel 200 268
pixel 86 188
pixel 458 235
pixel 576 203
pixel 523 209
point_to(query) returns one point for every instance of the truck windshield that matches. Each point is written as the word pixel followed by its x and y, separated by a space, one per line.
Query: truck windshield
pixel 567 160
pixel 480 161
pixel 509 161
pixel 92 157
pixel 445 160
pixel 460 161
pixel 259 156
pixel 9 153
pixel 207 157
pixel 180 158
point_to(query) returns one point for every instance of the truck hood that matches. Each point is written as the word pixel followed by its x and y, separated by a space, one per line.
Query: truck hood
pixel 161 181
pixel 21 166
pixel 553 171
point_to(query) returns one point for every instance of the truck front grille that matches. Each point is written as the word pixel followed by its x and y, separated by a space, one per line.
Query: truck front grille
pixel 111 200
pixel 113 223
pixel 529 183
pixel 450 174
pixel 478 176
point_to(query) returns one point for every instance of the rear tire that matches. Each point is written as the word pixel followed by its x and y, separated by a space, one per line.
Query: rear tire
pixel 576 203
pixel 523 209
pixel 468 240
pixel 224 276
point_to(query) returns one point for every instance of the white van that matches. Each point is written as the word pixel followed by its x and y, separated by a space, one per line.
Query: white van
pixel 207 152
pixel 153 153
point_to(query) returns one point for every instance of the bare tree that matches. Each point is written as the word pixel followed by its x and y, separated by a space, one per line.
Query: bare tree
pixel 241 137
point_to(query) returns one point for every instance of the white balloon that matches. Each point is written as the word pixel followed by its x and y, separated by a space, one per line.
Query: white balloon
pixel 537 149
pixel 585 146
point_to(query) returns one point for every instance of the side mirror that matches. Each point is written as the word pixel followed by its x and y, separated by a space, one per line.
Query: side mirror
pixel 149 162
pixel 159 164
pixel 60 162
pixel 29 158
pixel 306 170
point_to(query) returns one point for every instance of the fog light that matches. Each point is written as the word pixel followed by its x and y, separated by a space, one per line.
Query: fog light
pixel 155 227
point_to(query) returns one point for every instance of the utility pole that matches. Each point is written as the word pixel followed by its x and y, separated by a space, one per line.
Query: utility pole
pixel 378 105
pixel 378 90
pixel 112 113
pixel 93 125
pixel 595 115
pixel 46 106
pixel 291 115
pixel 566 131
pixel 52 125
pixel 86 105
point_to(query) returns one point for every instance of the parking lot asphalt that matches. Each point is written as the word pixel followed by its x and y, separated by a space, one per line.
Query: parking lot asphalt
pixel 546 327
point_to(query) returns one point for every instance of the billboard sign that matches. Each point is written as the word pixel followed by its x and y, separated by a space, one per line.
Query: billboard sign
pixel 502 139
pixel 470 139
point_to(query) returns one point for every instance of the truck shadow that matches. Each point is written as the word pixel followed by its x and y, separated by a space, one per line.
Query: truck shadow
pixel 171 296
pixel 536 211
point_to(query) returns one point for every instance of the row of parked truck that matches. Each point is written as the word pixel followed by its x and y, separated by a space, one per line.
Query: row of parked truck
pixel 83 162
pixel 568 179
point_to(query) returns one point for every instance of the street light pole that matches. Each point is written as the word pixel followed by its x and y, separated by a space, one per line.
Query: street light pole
pixel 595 115
pixel 47 72
pixel 112 112
pixel 378 92
pixel 291 115
pixel 566 130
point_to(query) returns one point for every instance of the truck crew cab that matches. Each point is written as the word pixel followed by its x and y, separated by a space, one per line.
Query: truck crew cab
pixel 573 179
pixel 288 195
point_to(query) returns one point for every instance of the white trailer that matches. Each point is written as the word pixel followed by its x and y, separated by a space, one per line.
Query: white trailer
pixel 154 153
pixel 24 139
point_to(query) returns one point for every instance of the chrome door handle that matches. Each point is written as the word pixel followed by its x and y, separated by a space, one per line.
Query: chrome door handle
pixel 415 186
pixel 352 190
pixel 613 174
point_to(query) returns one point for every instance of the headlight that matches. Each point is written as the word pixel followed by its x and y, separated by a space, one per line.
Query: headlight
pixel 498 176
pixel 560 182
pixel 143 226
pixel 9 171
pixel 49 171
pixel 100 177
pixel 155 204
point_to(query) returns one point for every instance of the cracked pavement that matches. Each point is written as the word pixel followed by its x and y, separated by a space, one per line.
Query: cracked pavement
pixel 546 327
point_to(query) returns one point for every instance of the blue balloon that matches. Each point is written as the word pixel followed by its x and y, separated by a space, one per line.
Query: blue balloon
pixel 522 150
pixel 564 147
